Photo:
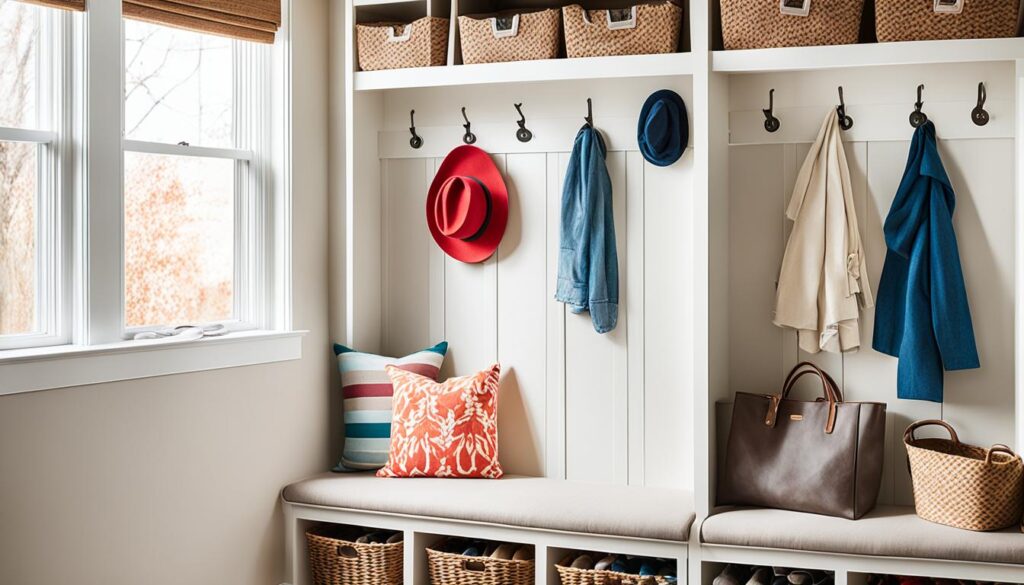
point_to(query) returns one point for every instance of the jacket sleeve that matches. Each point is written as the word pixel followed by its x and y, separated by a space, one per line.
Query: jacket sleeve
pixel 604 262
pixel 951 314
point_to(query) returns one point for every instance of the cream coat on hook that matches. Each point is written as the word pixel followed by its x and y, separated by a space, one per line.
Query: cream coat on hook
pixel 823 283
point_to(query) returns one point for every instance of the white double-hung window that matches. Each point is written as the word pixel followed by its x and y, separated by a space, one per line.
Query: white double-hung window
pixel 142 190
pixel 33 140
pixel 195 178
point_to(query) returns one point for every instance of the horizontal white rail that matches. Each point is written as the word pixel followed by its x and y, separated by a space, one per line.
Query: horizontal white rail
pixel 24 135
pixel 186 150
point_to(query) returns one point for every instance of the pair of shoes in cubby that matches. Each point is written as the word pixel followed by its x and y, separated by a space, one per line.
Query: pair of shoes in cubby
pixel 584 568
pixel 746 575
pixel 379 537
pixel 505 551
pixel 898 580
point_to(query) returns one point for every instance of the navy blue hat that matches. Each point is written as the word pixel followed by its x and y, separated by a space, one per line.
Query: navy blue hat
pixel 663 130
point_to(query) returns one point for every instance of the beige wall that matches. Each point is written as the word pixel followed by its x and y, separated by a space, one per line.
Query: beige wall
pixel 175 480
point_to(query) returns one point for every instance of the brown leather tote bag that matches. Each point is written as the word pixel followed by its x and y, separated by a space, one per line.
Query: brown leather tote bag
pixel 823 457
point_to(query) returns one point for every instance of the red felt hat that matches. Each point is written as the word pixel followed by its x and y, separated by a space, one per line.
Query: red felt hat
pixel 467 205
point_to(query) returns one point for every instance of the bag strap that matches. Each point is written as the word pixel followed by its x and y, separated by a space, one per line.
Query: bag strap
pixel 829 388
pixel 909 438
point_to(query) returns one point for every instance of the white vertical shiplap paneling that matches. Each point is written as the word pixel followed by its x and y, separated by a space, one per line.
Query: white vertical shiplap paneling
pixel 406 311
pixel 595 385
pixel 574 403
pixel 755 210
pixel 522 317
pixel 668 325
pixel 977 401
pixel 555 463
pixel 633 304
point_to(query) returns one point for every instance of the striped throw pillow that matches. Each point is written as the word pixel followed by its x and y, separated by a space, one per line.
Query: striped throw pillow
pixel 366 389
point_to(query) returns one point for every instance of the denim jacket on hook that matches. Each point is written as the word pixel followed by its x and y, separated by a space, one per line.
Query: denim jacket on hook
pixel 588 263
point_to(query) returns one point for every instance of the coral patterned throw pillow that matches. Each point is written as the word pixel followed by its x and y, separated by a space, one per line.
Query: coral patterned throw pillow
pixel 447 429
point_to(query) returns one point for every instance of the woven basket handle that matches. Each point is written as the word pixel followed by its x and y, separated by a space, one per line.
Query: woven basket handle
pixel 474 566
pixel 349 552
pixel 999 448
pixel 908 435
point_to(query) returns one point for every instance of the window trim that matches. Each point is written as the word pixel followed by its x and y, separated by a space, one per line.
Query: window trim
pixel 91 184
pixel 52 242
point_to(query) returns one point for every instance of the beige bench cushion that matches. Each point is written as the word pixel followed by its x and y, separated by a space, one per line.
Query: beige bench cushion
pixel 889 531
pixel 527 502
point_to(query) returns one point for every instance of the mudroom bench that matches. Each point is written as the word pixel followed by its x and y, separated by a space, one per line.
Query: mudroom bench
pixel 555 516
pixel 888 540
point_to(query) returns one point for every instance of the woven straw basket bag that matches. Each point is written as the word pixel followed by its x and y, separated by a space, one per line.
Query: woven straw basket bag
pixel 389 45
pixel 336 560
pixel 510 37
pixel 924 20
pixel 571 576
pixel 644 29
pixel 964 486
pixel 455 569
pixel 763 24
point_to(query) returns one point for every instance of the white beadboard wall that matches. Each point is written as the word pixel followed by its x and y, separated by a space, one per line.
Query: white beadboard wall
pixel 980 162
pixel 573 404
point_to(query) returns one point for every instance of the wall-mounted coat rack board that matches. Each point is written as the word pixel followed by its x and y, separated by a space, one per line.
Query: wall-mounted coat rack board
pixel 880 101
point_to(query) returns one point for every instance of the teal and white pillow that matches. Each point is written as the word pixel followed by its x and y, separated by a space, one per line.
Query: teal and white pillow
pixel 367 391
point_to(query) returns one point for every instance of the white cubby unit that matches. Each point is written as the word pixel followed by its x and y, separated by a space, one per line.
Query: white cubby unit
pixel 700 245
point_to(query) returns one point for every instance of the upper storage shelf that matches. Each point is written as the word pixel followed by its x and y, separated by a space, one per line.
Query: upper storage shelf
pixel 868 55
pixel 527 71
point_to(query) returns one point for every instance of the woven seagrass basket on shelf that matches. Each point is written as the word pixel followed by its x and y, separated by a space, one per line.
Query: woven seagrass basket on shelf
pixel 336 559
pixel 525 36
pixel 390 45
pixel 454 569
pixel 572 576
pixel 964 486
pixel 644 29
pixel 761 24
pixel 924 20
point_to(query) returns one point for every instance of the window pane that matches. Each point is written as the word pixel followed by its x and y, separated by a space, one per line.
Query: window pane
pixel 179 239
pixel 17 237
pixel 19 34
pixel 178 86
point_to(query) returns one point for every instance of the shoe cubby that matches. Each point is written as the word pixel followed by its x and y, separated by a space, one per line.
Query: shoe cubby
pixel 345 554
pixel 588 567
pixel 745 574
pixel 888 579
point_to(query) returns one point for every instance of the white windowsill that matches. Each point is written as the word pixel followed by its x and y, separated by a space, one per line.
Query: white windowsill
pixel 46 368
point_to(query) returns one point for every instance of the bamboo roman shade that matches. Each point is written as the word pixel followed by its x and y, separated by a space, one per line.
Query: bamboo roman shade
pixel 247 20
pixel 65 4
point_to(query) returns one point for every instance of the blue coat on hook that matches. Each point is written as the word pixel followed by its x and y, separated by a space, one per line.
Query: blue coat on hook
pixel 588 262
pixel 922 316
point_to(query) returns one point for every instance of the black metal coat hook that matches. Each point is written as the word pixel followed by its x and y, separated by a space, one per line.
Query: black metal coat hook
pixel 522 134
pixel 415 141
pixel 590 114
pixel 845 122
pixel 917 117
pixel 771 123
pixel 979 115
pixel 468 137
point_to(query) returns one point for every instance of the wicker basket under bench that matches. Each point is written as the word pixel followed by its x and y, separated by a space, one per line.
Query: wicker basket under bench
pixel 336 559
pixel 448 568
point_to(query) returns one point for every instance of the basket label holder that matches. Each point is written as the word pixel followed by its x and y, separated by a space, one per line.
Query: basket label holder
pixel 503 26
pixel 405 36
pixel 949 6
pixel 796 7
pixel 618 19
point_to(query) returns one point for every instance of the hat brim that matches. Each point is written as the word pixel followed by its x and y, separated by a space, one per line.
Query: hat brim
pixel 471 161
pixel 683 128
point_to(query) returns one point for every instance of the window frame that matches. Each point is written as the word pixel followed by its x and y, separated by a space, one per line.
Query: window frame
pixel 250 136
pixel 50 134
pixel 89 163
